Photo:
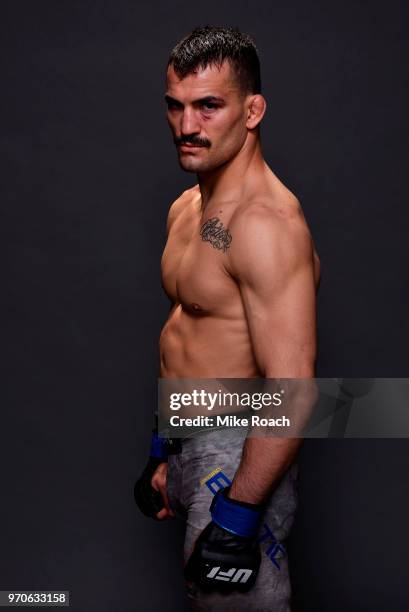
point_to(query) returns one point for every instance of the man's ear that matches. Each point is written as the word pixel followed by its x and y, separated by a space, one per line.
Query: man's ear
pixel 255 111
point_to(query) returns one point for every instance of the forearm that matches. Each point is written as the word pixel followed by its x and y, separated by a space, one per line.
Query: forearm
pixel 263 463
pixel 266 457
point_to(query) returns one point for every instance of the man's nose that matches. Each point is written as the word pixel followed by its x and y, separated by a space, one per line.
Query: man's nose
pixel 189 124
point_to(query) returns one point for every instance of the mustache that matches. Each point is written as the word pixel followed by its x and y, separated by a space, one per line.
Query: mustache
pixel 194 140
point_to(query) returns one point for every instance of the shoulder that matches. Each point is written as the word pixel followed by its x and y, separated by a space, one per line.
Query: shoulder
pixel 277 211
pixel 182 203
pixel 268 233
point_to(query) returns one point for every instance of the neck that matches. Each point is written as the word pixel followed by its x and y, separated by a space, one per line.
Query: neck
pixel 229 181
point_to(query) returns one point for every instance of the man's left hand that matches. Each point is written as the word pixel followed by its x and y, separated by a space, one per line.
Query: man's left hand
pixel 226 554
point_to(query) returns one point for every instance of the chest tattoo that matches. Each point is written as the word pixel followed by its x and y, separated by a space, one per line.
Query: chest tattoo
pixel 213 231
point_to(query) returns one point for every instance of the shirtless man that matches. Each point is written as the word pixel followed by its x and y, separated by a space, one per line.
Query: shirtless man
pixel 241 271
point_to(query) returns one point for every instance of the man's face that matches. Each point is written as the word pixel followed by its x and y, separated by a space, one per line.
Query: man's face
pixel 207 114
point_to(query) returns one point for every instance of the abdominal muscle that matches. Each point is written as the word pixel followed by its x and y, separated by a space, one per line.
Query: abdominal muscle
pixel 205 346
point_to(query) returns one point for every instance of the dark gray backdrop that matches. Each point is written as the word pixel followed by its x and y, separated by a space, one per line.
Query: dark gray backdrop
pixel 88 172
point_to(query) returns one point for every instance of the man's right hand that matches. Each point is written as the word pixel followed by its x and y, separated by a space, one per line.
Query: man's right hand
pixel 150 490
pixel 148 499
pixel 158 483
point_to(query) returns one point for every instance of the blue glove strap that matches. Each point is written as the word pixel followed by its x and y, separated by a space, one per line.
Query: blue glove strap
pixel 159 448
pixel 235 517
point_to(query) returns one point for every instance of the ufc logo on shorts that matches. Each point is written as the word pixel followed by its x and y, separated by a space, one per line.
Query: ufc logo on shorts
pixel 232 575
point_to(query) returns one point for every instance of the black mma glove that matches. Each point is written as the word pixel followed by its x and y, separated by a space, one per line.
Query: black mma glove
pixel 226 555
pixel 148 500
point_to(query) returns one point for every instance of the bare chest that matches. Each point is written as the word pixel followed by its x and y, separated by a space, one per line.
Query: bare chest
pixel 193 267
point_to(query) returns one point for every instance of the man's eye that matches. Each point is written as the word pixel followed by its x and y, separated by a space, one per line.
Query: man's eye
pixel 209 105
pixel 173 105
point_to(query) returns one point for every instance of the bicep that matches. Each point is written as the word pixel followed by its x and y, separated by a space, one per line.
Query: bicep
pixel 279 297
pixel 282 325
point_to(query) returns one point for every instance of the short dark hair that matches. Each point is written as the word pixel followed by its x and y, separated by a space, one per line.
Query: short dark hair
pixel 210 45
